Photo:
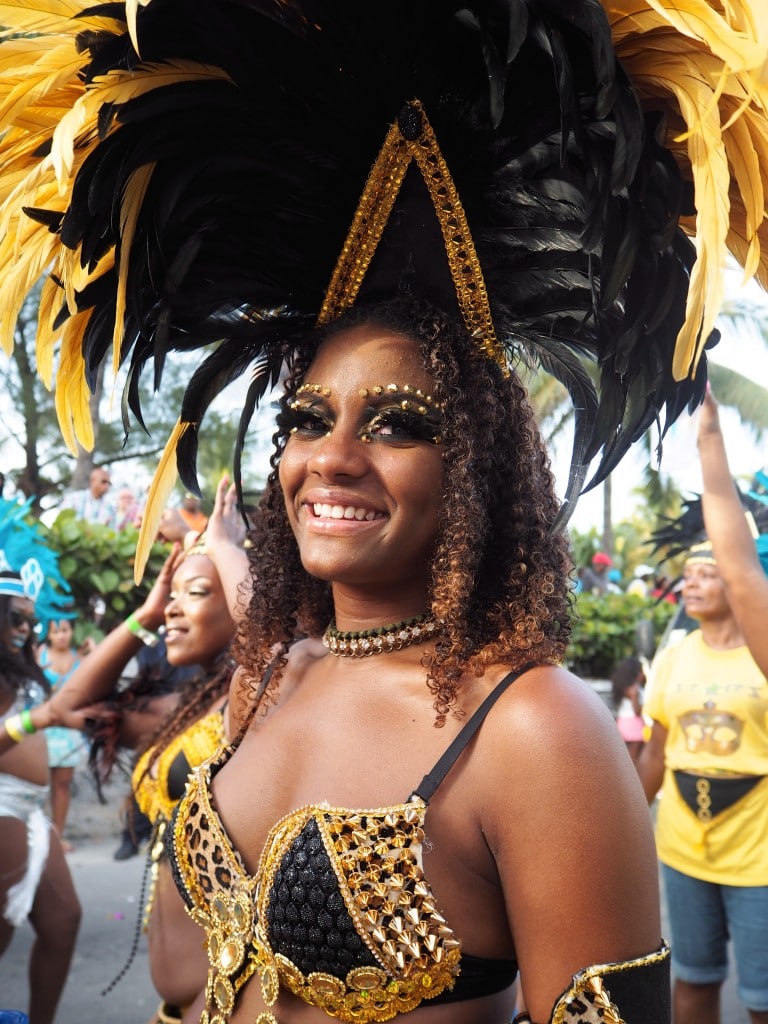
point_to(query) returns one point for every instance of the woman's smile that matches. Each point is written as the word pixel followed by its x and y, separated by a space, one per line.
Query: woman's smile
pixel 362 470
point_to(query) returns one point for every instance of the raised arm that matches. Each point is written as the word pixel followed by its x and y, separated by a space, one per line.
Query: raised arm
pixel 97 675
pixel 734 547
pixel 224 535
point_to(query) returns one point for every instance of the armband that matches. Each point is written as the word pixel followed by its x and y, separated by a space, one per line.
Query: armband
pixel 631 992
pixel 145 635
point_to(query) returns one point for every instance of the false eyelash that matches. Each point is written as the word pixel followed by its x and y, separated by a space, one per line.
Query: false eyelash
pixel 291 419
pixel 415 426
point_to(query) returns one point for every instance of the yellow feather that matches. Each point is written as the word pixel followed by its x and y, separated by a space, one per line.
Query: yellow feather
pixel 72 394
pixel 706 65
pixel 19 279
pixel 54 70
pixel 117 87
pixel 159 492
pixel 131 14
pixel 50 16
pixel 51 298
pixel 698 20
pixel 746 169
pixel 130 208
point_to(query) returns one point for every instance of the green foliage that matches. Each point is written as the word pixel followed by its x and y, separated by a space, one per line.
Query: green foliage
pixel 606 629
pixel 97 562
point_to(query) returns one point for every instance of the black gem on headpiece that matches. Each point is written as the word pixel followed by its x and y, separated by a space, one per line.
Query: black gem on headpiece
pixel 410 122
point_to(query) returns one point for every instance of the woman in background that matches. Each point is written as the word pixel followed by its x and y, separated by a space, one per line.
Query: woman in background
pixel 628 680
pixel 174 733
pixel 58 659
pixel 708 700
pixel 35 882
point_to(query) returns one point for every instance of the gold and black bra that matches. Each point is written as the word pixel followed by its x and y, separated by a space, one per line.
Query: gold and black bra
pixel 339 911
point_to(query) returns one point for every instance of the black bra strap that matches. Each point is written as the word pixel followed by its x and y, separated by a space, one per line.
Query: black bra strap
pixel 427 788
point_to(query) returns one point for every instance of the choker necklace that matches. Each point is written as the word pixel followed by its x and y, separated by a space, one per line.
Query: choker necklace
pixel 364 643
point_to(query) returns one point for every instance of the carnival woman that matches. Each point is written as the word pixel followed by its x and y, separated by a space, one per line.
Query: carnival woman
pixel 177 731
pixel 58 659
pixel 35 883
pixel 227 177
pixel 408 523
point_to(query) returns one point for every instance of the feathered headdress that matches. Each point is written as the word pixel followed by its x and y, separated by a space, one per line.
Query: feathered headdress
pixel 23 550
pixel 226 173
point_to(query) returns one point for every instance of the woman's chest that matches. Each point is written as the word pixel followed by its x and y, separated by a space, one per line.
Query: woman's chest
pixel 336 754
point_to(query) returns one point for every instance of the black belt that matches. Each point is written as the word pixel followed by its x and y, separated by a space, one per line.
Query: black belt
pixel 707 796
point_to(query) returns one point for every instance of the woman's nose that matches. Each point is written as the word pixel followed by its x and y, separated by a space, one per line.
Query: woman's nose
pixel 341 452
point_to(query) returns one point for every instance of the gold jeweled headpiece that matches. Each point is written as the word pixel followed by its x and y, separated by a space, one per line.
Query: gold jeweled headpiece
pixel 701 554
pixel 411 138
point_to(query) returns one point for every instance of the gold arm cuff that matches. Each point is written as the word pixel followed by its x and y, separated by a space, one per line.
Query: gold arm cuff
pixel 616 993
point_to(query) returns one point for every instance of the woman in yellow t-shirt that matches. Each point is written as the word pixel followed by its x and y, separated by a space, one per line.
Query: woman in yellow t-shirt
pixel 708 700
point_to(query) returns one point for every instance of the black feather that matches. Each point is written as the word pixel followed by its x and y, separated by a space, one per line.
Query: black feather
pixel 572 201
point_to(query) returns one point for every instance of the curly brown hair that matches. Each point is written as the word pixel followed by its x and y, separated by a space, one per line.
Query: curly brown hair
pixel 499 584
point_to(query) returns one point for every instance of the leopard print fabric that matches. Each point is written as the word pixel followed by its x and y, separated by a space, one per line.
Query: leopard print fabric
pixel 630 992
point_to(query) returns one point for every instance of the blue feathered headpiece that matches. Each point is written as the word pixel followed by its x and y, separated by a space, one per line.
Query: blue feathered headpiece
pixel 23 550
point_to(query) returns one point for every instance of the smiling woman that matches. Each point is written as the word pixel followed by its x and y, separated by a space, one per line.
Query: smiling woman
pixel 408 519
pixel 397 203
pixel 360 447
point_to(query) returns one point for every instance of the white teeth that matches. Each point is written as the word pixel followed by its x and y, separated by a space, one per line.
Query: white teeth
pixel 324 511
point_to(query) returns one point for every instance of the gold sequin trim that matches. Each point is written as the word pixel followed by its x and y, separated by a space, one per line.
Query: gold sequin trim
pixel 588 1000
pixel 375 858
pixel 202 740
pixel 373 212
pixel 375 855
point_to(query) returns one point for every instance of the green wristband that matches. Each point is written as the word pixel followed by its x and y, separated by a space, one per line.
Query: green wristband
pixel 26 722
pixel 142 633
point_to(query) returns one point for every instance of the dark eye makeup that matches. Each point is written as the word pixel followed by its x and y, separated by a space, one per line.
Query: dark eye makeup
pixel 392 423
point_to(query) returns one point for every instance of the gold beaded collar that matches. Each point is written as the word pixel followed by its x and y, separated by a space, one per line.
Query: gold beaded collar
pixel 382 640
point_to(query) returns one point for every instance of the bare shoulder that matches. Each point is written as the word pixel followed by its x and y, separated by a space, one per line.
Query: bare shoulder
pixel 556 743
pixel 567 825
pixel 243 688
pixel 548 703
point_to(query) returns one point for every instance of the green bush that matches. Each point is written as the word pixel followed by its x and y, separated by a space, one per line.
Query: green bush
pixel 97 562
pixel 606 628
